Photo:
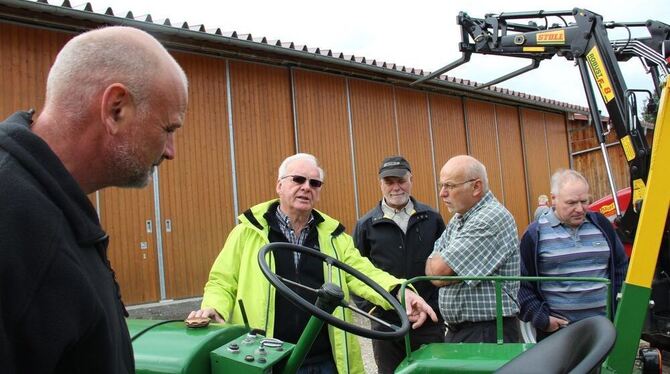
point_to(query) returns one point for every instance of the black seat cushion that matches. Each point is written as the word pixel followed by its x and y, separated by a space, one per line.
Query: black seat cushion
pixel 578 348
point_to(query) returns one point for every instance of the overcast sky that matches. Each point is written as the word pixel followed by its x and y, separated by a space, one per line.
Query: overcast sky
pixel 415 33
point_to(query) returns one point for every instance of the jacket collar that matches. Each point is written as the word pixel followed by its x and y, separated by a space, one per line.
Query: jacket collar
pixel 39 160
pixel 418 208
pixel 256 217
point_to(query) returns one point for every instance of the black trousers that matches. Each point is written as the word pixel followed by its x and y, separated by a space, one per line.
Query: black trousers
pixel 389 353
pixel 482 331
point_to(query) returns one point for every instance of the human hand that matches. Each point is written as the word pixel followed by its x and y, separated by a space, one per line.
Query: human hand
pixel 207 313
pixel 556 323
pixel 417 309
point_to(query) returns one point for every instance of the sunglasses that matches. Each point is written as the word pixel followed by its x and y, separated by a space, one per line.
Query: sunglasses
pixel 299 179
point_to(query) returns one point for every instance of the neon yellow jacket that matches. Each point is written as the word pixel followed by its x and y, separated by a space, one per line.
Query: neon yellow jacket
pixel 236 275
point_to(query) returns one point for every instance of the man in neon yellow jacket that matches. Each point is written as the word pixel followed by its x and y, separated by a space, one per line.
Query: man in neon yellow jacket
pixel 292 218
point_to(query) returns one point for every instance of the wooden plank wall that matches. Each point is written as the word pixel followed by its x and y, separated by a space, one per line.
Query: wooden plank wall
pixel 272 112
pixel 449 133
pixel 537 159
pixel 512 163
pixel 588 158
pixel 483 141
pixel 26 55
pixel 321 114
pixel 133 249
pixel 263 128
pixel 373 120
pixel 414 137
pixel 196 193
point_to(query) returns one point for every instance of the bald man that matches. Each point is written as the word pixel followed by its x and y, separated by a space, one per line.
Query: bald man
pixel 480 240
pixel 114 99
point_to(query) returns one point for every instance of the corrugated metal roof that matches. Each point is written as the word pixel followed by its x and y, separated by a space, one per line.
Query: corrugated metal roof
pixel 252 42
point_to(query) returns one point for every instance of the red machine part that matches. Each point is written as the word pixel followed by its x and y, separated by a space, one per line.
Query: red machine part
pixel 606 207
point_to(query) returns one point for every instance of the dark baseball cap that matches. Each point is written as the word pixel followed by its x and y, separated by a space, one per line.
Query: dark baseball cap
pixel 394 166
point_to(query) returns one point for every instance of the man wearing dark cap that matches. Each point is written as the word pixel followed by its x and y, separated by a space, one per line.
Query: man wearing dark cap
pixel 398 235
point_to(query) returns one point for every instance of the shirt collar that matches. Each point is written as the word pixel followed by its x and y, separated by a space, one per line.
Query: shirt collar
pixel 550 216
pixel 488 196
pixel 554 221
pixel 285 220
pixel 407 209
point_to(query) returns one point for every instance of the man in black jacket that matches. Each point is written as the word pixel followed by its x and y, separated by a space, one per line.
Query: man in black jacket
pixel 398 235
pixel 114 98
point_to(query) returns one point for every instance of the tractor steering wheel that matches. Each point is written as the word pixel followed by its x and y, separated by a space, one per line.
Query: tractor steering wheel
pixel 280 284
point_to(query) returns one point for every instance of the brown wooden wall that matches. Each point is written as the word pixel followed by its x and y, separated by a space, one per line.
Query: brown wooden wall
pixel 588 158
pixel 415 144
pixel 449 134
pixel 133 249
pixel 196 188
pixel 263 128
pixel 512 164
pixel 350 124
pixel 373 118
pixel 321 114
pixel 26 54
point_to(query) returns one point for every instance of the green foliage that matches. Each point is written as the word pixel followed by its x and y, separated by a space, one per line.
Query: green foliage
pixel 650 111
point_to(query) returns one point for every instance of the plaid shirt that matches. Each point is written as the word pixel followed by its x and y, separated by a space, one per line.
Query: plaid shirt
pixel 481 242
pixel 287 230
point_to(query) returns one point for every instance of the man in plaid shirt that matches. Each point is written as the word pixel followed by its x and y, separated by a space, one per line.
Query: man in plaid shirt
pixel 480 240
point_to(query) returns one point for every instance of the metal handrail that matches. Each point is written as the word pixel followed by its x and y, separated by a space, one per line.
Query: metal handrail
pixel 498 280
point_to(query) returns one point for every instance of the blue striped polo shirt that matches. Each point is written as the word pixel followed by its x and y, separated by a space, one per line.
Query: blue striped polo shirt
pixel 563 252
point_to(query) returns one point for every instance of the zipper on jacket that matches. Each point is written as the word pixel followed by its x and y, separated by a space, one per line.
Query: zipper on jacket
pixel 346 337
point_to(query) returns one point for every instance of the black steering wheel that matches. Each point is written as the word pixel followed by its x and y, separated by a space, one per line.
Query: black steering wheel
pixel 280 284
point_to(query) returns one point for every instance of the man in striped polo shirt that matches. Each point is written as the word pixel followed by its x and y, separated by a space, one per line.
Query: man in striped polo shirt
pixel 569 240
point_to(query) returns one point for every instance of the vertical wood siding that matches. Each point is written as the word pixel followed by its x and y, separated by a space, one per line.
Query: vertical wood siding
pixel 196 187
pixel 323 130
pixel 511 156
pixel 263 128
pixel 374 129
pixel 123 214
pixel 482 131
pixel 449 135
pixel 537 158
pixel 557 141
pixel 26 55
pixel 415 143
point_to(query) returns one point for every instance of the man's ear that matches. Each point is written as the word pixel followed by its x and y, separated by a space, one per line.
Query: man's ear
pixel 116 107
pixel 478 188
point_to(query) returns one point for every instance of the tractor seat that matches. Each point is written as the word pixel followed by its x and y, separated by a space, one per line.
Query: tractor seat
pixel 579 348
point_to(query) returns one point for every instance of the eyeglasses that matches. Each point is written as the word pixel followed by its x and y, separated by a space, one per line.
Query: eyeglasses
pixel 451 186
pixel 299 179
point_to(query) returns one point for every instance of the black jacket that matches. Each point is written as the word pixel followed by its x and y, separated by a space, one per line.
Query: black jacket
pixel 402 255
pixel 290 320
pixel 60 309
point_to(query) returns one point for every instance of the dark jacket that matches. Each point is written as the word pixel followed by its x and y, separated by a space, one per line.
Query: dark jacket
pixel 290 319
pixel 60 309
pixel 533 307
pixel 401 254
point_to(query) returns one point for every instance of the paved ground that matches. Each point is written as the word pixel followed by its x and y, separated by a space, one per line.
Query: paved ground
pixel 179 310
